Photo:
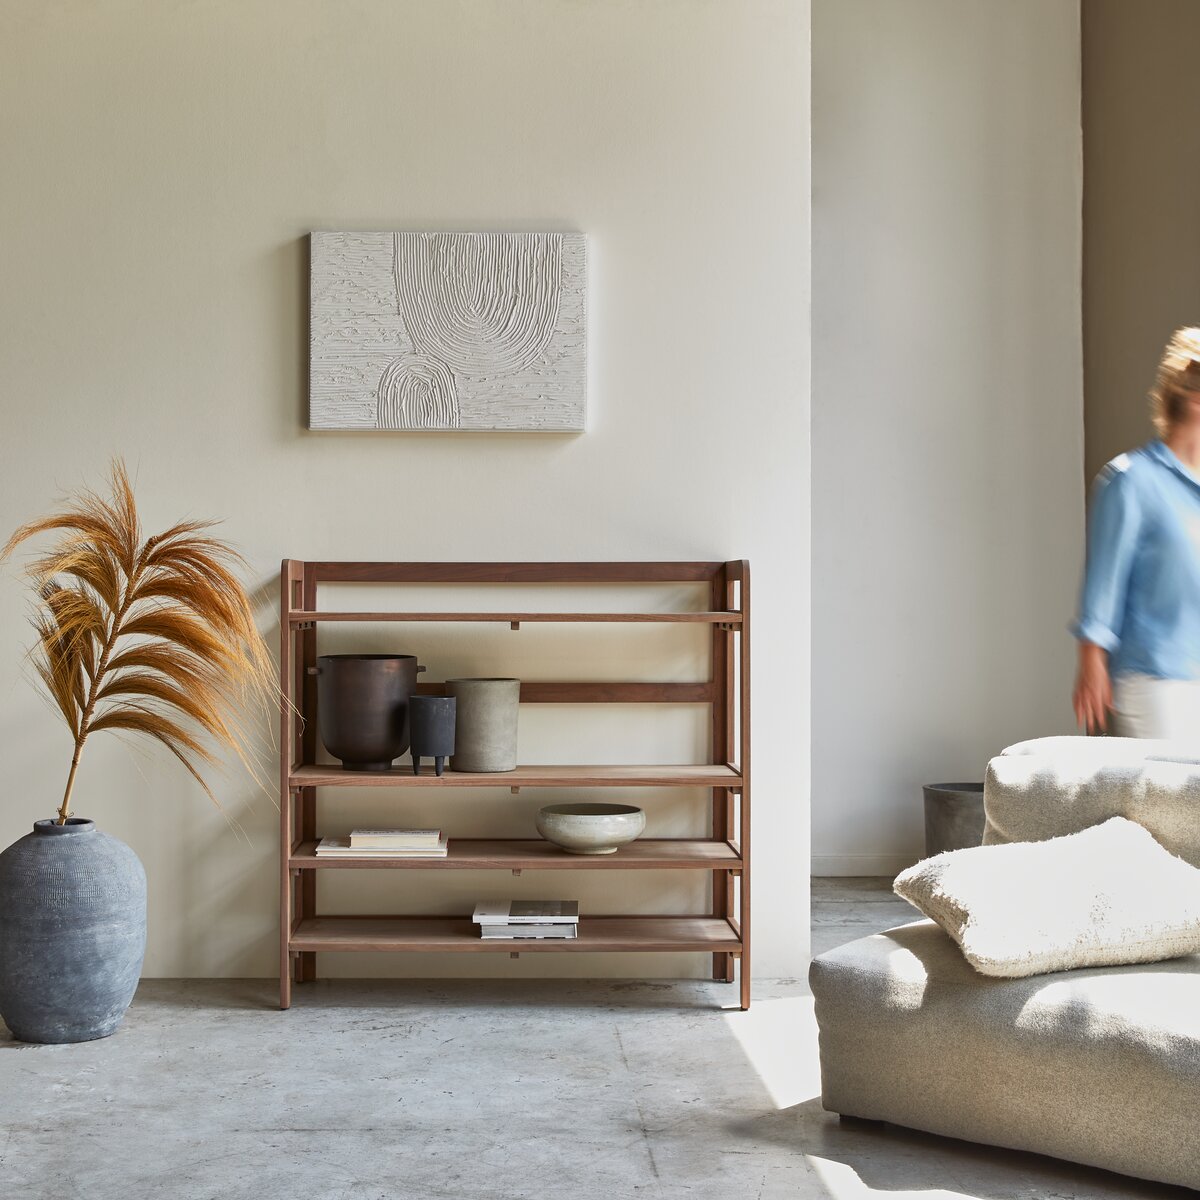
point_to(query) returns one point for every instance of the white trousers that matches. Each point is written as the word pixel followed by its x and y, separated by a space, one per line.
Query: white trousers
pixel 1146 707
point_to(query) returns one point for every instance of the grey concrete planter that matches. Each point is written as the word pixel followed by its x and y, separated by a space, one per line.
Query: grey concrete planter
pixel 72 932
pixel 953 816
pixel 485 735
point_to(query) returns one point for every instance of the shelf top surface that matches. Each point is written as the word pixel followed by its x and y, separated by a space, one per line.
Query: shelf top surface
pixel 306 616
pixel 462 934
pixel 538 775
pixel 514 853
pixel 515 572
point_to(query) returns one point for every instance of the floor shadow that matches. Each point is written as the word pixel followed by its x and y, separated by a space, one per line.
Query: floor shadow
pixel 8 1042
pixel 891 1158
pixel 262 995
pixel 239 995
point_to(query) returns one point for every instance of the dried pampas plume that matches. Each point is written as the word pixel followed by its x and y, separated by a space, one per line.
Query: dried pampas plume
pixel 155 637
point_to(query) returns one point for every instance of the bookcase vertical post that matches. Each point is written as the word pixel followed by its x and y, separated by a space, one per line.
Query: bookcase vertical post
pixel 290 579
pixel 721 750
pixel 743 572
pixel 306 961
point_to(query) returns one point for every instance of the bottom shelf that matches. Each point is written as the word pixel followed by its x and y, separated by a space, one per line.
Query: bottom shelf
pixel 707 934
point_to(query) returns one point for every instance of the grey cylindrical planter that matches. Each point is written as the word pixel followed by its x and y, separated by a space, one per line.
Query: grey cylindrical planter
pixel 72 932
pixel 485 734
pixel 953 816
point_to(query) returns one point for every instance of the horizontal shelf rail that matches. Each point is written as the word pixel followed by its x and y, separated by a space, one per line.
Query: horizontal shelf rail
pixel 308 616
pixel 712 775
pixel 518 572
pixel 516 854
pixel 603 692
pixel 461 934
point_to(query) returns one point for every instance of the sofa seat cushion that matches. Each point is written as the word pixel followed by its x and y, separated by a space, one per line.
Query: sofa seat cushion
pixel 1099 1066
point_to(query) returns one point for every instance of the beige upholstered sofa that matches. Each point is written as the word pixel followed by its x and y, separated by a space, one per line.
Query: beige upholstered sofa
pixel 1100 1066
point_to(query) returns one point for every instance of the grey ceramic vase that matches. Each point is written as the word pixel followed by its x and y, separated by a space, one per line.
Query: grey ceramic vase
pixel 72 932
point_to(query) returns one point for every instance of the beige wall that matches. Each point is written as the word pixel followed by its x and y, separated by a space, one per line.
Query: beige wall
pixel 162 166
pixel 947 436
pixel 1141 236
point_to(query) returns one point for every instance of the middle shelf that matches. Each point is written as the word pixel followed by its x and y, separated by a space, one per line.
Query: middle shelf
pixel 481 854
pixel 539 775
pixel 653 933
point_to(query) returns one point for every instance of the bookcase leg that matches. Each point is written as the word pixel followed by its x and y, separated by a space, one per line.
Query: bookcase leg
pixel 286 901
pixel 722 888
pixel 722 881
pixel 306 960
pixel 306 963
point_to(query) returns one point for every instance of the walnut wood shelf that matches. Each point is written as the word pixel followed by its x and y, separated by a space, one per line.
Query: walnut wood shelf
pixel 513 854
pixel 460 934
pixel 723 854
pixel 530 776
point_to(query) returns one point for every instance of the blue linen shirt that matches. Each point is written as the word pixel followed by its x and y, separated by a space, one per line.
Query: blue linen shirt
pixel 1141 587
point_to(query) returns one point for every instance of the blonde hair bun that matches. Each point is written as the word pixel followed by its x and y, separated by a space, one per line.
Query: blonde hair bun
pixel 1179 367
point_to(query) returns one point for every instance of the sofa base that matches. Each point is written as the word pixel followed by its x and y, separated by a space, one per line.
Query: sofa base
pixel 1099 1066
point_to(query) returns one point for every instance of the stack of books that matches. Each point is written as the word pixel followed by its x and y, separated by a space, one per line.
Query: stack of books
pixel 385 843
pixel 527 918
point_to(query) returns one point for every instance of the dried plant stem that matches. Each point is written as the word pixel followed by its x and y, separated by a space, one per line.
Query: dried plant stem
pixel 64 810
pixel 89 708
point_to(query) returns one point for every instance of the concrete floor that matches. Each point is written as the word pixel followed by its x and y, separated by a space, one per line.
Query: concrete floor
pixel 848 908
pixel 465 1090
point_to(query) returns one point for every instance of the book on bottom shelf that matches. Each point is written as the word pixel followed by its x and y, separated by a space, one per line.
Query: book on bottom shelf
pixel 395 839
pixel 540 933
pixel 527 912
pixel 529 919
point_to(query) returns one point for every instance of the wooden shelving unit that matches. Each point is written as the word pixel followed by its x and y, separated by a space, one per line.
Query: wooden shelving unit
pixel 723 932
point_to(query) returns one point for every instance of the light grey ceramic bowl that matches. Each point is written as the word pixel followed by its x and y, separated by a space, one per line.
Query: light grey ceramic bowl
pixel 590 828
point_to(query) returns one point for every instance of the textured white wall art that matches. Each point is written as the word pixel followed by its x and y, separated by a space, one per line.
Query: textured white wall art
pixel 448 331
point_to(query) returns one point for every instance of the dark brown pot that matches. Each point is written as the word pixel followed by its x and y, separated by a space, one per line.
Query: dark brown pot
pixel 362 707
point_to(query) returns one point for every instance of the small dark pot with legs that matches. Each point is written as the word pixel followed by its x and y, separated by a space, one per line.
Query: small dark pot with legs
pixel 432 721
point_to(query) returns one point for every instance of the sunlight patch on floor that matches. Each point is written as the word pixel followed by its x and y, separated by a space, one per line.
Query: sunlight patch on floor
pixel 779 1039
pixel 842 1182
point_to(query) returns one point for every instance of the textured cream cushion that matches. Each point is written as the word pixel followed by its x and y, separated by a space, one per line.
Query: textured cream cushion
pixel 1051 786
pixel 1110 894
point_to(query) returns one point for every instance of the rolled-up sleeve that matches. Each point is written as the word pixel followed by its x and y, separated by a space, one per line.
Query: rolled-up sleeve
pixel 1113 527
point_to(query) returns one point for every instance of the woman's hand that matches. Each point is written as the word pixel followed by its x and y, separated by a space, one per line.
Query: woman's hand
pixel 1093 689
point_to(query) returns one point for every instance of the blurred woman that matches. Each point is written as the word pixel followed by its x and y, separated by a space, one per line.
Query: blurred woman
pixel 1139 614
